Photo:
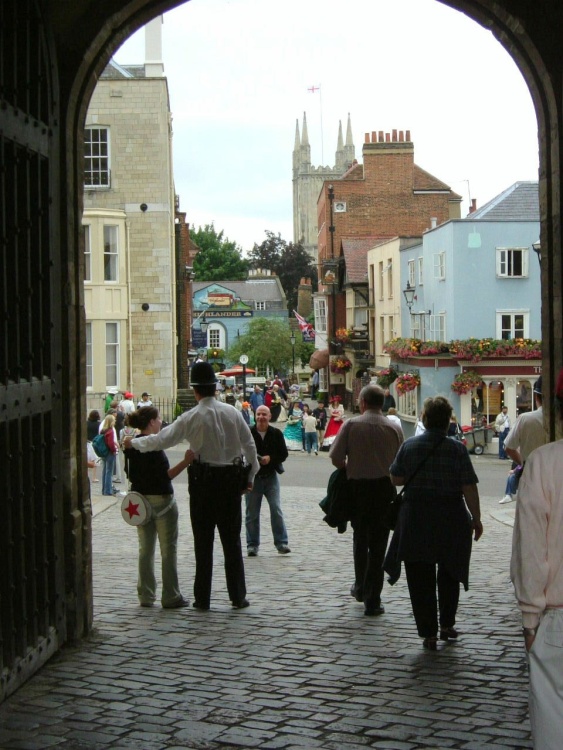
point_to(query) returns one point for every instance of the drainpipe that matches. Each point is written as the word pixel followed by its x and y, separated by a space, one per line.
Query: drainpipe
pixel 129 311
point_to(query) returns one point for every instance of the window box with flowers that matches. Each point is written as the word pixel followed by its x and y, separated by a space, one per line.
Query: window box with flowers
pixel 465 382
pixel 406 382
pixel 340 365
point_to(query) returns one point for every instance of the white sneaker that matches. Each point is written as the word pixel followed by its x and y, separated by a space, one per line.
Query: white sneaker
pixel 506 499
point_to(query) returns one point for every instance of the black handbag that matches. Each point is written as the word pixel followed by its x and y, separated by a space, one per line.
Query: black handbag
pixel 395 505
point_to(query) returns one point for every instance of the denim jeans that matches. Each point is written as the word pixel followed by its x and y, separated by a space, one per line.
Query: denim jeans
pixel 268 487
pixel 166 529
pixel 501 438
pixel 311 441
pixel 511 485
pixel 107 474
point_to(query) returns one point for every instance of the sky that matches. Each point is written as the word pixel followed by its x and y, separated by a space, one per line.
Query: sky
pixel 239 72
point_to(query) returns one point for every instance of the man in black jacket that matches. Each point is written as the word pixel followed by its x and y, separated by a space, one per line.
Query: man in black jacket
pixel 272 452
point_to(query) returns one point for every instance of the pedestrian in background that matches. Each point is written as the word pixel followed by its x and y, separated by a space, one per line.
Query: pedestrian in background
pixel 321 416
pixel 107 428
pixel 219 438
pixel 502 428
pixel 272 452
pixel 310 432
pixel 150 474
pixel 92 429
pixel 536 570
pixel 365 446
pixel 145 400
pixel 440 509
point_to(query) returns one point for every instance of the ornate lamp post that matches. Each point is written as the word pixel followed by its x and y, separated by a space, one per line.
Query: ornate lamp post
pixel 292 340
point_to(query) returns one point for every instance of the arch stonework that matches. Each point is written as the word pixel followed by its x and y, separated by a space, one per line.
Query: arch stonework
pixel 80 37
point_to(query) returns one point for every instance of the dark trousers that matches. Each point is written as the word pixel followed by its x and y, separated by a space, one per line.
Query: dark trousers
pixel 422 579
pixel 371 498
pixel 215 501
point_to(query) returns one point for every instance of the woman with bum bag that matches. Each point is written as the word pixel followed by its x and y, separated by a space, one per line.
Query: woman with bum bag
pixel 150 474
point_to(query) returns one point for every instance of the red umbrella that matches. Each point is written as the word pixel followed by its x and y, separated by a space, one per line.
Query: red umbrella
pixel 233 371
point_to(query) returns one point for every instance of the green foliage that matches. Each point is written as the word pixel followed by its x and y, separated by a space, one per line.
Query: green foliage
pixel 266 344
pixel 289 261
pixel 303 350
pixel 218 259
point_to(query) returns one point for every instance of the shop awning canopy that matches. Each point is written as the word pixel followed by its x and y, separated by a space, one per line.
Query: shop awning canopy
pixel 234 371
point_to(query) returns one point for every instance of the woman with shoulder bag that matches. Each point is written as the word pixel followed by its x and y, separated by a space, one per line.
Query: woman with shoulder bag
pixel 150 475
pixel 439 513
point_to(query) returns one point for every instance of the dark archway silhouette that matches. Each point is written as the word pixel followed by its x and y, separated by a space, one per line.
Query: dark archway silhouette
pixel 52 53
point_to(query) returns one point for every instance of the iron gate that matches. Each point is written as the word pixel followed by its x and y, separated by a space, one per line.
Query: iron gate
pixel 32 619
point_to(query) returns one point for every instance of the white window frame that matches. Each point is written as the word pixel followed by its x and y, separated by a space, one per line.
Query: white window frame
pixel 437 327
pixel 506 261
pixel 513 314
pixel 87 230
pixel 380 277
pixel 389 268
pixel 97 172
pixel 111 253
pixel 411 273
pixel 259 305
pixel 112 353
pixel 320 314
pixel 216 332
pixel 89 357
pixel 440 266
pixel 382 340
pixel 421 271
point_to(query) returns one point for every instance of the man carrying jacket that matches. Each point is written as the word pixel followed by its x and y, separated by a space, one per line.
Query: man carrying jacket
pixel 272 452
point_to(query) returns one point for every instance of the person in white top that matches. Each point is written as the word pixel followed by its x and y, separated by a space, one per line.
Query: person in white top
pixel 219 438
pixel 392 415
pixel 502 426
pixel 527 434
pixel 536 571
pixel 127 403
pixel 145 400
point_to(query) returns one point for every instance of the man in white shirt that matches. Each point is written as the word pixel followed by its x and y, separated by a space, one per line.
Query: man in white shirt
pixel 127 403
pixel 219 438
pixel 502 426
pixel 527 434
pixel 536 569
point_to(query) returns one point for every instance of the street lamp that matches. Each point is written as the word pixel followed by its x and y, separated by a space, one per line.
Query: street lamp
pixel 292 340
pixel 536 247
pixel 409 295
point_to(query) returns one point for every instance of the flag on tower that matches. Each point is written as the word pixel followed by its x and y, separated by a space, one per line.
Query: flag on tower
pixel 306 328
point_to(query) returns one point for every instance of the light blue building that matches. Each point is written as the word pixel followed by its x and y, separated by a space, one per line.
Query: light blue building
pixel 477 277
pixel 229 306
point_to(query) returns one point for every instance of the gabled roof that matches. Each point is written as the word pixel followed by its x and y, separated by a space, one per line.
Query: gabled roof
pixel 423 180
pixel 518 202
pixel 355 252
pixel 260 289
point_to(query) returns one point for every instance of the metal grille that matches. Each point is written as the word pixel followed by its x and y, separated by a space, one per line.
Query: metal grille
pixel 31 539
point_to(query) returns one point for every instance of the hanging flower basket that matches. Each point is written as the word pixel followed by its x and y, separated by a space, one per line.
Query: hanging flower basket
pixel 386 377
pixel 343 335
pixel 465 382
pixel 406 382
pixel 340 365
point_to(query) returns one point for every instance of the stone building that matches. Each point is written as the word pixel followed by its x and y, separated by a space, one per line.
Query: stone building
pixel 308 181
pixel 128 225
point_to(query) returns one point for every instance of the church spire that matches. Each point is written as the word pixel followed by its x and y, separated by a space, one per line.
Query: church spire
pixel 339 156
pixel 305 147
pixel 296 147
pixel 349 149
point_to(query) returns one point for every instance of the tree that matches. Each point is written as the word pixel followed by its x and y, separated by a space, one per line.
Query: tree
pixel 218 258
pixel 266 344
pixel 290 261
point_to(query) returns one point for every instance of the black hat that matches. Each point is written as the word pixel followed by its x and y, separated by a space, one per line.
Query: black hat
pixel 202 374
pixel 537 386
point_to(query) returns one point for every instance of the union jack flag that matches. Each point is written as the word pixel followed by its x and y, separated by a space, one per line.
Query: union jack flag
pixel 306 328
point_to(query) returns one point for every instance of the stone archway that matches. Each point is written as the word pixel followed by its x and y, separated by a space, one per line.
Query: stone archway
pixel 80 38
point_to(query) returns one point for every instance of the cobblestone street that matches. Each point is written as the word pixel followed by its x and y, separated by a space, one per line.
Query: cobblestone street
pixel 302 667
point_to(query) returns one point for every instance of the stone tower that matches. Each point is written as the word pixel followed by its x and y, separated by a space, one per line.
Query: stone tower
pixel 308 181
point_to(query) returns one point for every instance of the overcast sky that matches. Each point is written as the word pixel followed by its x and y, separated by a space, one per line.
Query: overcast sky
pixel 239 71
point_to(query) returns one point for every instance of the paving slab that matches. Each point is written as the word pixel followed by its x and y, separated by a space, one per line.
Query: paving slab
pixel 302 667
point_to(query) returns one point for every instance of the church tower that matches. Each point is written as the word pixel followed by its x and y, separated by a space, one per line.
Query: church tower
pixel 308 181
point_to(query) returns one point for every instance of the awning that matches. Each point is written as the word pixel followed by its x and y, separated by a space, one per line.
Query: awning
pixel 234 371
